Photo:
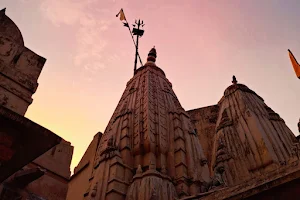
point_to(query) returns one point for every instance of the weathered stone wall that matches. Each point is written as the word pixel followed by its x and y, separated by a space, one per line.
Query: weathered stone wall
pixel 58 159
pixel 79 184
pixel 49 186
pixel 19 68
pixel 204 120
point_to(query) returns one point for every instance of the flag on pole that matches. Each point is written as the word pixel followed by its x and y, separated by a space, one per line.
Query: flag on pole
pixel 295 64
pixel 122 18
pixel 121 14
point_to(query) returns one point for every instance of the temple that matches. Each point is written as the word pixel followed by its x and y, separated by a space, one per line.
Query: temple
pixel 34 162
pixel 153 149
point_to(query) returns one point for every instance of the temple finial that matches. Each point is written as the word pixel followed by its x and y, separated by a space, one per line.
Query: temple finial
pixel 234 81
pixel 152 55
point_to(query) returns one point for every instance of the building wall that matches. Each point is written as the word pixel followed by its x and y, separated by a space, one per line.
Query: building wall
pixel 49 186
pixel 204 120
pixel 57 159
pixel 53 185
pixel 79 182
pixel 19 68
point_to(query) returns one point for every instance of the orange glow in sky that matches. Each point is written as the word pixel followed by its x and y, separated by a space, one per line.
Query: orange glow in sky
pixel 200 45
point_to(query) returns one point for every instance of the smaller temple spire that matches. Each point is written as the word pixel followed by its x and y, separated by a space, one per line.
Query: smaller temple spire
pixel 234 81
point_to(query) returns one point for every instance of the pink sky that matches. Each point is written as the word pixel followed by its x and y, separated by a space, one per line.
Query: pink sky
pixel 200 45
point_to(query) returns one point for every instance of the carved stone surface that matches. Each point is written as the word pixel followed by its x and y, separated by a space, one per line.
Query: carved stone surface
pixel 21 140
pixel 251 139
pixel 153 149
pixel 19 68
pixel 154 143
pixel 204 119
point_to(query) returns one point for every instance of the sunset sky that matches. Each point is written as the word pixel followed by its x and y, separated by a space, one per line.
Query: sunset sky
pixel 200 45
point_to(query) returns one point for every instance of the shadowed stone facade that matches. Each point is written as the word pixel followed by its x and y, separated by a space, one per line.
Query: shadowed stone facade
pixel 19 68
pixel 40 171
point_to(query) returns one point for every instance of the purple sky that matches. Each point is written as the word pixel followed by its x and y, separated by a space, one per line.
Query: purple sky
pixel 200 45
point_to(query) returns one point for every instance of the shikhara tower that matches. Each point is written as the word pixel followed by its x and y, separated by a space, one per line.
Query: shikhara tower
pixel 149 148
pixel 250 138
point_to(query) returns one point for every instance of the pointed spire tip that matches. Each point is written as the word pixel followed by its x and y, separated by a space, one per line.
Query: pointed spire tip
pixel 234 81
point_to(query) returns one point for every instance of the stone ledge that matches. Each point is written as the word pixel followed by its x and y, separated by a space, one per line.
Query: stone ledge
pixel 254 186
pixel 118 180
pixel 116 191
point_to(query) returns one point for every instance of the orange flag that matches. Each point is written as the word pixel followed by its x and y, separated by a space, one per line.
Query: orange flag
pixel 121 14
pixel 295 64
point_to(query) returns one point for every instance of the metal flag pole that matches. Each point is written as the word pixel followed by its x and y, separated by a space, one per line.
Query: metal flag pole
pixel 139 33
pixel 136 31
pixel 126 24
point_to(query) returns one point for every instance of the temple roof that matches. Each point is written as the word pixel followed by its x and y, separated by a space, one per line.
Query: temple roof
pixel 9 29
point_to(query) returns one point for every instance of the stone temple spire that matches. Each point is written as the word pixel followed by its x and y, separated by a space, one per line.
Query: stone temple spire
pixel 149 149
pixel 251 139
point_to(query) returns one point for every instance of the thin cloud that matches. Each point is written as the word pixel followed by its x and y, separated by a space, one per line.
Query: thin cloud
pixel 90 43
